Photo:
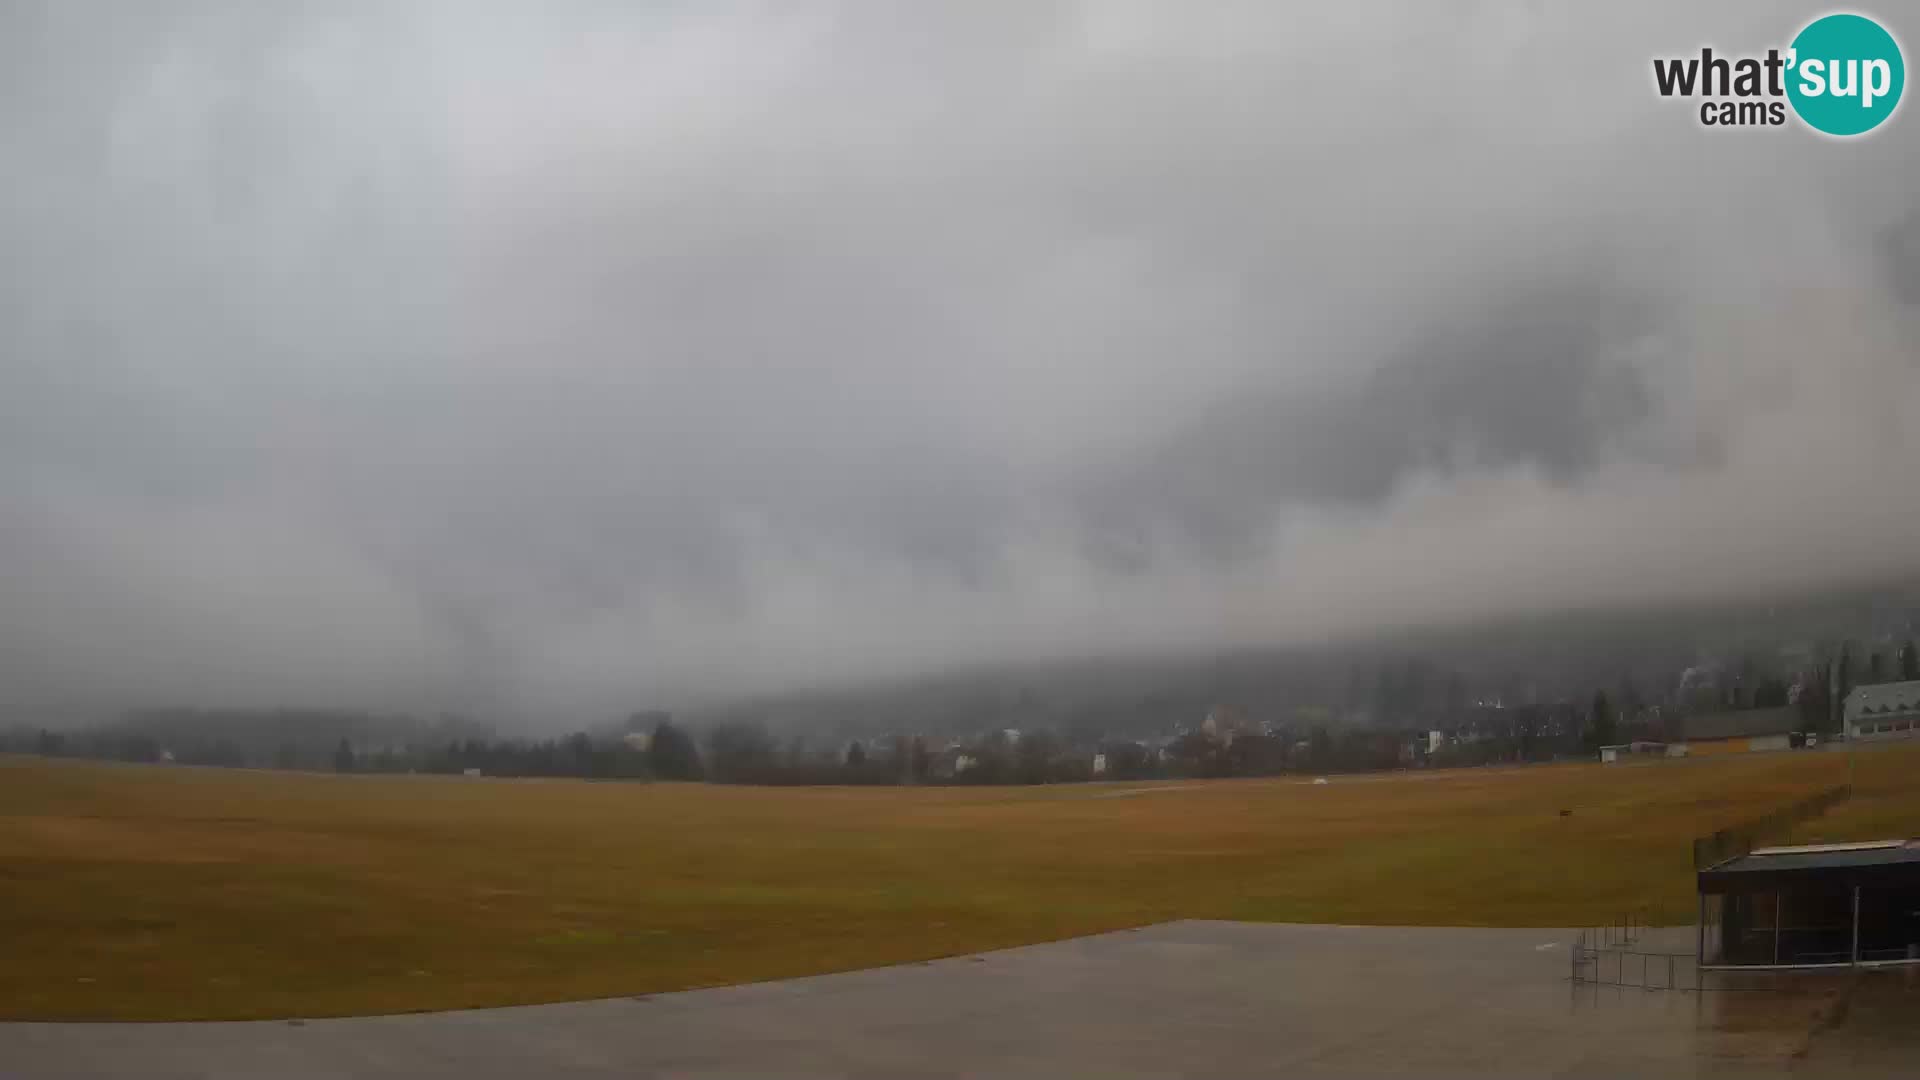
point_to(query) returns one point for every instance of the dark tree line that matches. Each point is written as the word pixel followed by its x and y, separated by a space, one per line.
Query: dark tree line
pixel 734 753
pixel 1397 702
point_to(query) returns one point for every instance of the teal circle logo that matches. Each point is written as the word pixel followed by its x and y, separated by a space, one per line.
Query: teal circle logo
pixel 1846 74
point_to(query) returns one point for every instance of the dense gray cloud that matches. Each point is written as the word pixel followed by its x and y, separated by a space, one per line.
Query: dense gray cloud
pixel 544 360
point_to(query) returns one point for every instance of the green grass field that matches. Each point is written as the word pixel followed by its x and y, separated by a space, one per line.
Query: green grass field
pixel 150 892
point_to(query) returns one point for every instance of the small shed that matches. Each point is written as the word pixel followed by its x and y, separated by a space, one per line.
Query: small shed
pixel 1822 905
pixel 1644 747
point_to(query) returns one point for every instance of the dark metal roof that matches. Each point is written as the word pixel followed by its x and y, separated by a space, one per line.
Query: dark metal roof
pixel 1849 862
pixel 1820 858
pixel 1743 723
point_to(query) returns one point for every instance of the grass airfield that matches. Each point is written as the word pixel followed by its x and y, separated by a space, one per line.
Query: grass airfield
pixel 134 892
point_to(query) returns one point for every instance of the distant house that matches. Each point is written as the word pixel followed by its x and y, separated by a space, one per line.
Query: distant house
pixel 1885 711
pixel 1739 731
pixel 948 763
pixel 1413 749
pixel 1641 747
pixel 1223 723
pixel 1701 688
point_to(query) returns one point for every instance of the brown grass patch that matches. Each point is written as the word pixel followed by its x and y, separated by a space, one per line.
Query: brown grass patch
pixel 187 893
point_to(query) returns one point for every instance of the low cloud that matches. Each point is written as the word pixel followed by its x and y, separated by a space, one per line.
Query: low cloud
pixel 551 363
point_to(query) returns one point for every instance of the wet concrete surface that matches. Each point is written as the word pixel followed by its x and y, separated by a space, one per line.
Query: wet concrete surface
pixel 1180 999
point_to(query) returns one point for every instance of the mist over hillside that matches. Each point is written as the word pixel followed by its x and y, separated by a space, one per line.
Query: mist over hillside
pixel 1560 658
pixel 1407 679
pixel 544 363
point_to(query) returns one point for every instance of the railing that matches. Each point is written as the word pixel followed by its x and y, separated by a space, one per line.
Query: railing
pixel 1619 933
pixel 1633 968
pixel 1738 840
pixel 1618 954
pixel 1623 954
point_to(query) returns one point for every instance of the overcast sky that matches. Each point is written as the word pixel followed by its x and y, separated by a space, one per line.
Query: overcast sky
pixel 552 359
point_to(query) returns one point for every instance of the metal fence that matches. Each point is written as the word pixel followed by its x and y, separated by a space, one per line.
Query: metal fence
pixel 1624 953
pixel 1635 968
pixel 1613 954
pixel 1618 934
pixel 1740 839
